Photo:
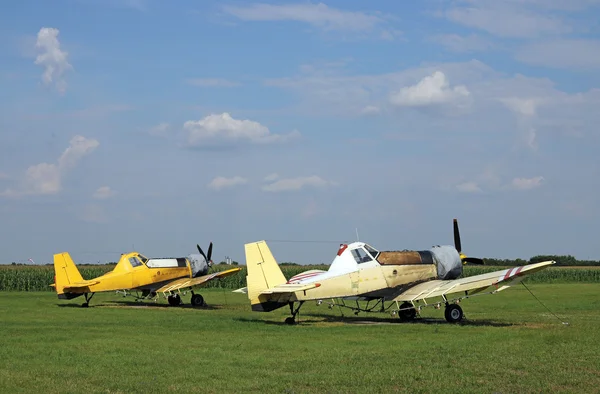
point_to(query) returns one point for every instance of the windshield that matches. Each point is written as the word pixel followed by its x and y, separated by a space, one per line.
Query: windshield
pixel 135 261
pixel 361 256
pixel 371 251
pixel 143 258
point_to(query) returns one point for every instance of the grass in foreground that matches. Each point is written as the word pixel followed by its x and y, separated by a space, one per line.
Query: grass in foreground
pixel 509 343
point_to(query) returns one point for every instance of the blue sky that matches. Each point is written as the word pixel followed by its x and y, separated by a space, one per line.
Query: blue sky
pixel 157 125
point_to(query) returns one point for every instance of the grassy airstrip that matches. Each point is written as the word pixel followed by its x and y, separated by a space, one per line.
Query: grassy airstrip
pixel 508 344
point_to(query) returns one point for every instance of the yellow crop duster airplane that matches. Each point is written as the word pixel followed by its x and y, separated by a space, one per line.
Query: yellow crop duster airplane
pixel 136 272
pixel 410 280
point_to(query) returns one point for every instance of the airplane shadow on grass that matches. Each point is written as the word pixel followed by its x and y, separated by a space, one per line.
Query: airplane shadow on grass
pixel 134 304
pixel 315 318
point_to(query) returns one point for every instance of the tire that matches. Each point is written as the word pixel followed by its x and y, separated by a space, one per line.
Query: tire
pixel 407 314
pixel 174 300
pixel 197 300
pixel 290 320
pixel 453 313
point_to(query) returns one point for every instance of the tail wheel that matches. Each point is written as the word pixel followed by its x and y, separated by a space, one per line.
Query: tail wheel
pixel 453 313
pixel 174 299
pixel 197 300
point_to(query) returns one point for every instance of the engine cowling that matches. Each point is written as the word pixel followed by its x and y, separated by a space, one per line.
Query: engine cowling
pixel 198 264
pixel 447 261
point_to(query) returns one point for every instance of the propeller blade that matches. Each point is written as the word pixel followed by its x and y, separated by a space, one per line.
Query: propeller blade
pixel 457 244
pixel 209 251
pixel 201 252
pixel 473 260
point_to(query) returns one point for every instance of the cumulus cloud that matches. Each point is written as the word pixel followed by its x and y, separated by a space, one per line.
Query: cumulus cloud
pixel 46 178
pixel 103 193
pixel 52 58
pixel 295 184
pixel 527 183
pixel 319 15
pixel 221 182
pixel 223 130
pixel 433 89
pixel 521 106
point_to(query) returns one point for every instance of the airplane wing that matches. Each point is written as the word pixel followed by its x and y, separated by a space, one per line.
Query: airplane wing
pixel 289 288
pixel 193 282
pixel 493 281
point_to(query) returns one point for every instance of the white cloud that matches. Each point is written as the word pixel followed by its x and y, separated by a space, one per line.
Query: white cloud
pixel 458 43
pixel 492 17
pixel 45 178
pixel 103 193
pixel 522 106
pixel 221 182
pixel 160 129
pixel 433 89
pixel 295 184
pixel 271 177
pixel 52 58
pixel 370 110
pixel 212 82
pixel 319 15
pixel 223 129
pixel 563 53
pixel 527 183
pixel 469 187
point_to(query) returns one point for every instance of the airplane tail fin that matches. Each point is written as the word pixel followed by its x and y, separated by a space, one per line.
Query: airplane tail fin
pixel 65 273
pixel 263 273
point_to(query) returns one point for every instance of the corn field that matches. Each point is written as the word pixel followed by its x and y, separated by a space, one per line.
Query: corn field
pixel 39 278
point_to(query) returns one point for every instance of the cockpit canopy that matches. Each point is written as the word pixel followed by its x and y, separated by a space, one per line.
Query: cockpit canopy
pixel 350 256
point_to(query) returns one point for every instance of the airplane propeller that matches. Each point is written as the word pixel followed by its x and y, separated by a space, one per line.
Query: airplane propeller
pixel 458 246
pixel 207 258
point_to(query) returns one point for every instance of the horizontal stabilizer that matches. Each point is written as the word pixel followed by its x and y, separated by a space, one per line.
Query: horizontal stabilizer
pixel 81 284
pixel 289 288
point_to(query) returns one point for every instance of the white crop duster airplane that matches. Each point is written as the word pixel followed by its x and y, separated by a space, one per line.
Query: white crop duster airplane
pixel 408 280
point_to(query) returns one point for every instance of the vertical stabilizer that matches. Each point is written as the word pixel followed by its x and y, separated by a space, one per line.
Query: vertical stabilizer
pixel 263 270
pixel 65 273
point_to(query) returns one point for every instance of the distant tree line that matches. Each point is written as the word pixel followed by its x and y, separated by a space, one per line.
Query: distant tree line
pixel 562 260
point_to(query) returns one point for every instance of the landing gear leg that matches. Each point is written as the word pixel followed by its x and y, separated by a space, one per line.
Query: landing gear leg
pixel 88 297
pixel 292 319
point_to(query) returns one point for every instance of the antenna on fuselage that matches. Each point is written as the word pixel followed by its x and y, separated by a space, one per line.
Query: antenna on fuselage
pixel 357 239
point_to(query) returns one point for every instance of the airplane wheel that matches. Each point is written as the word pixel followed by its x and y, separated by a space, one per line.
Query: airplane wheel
pixel 453 313
pixel 85 305
pixel 197 300
pixel 174 300
pixel 290 320
pixel 407 314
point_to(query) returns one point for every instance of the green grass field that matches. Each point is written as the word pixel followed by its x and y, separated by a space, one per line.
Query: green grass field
pixel 508 344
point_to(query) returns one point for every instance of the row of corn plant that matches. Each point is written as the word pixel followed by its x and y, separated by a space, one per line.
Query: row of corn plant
pixel 39 278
